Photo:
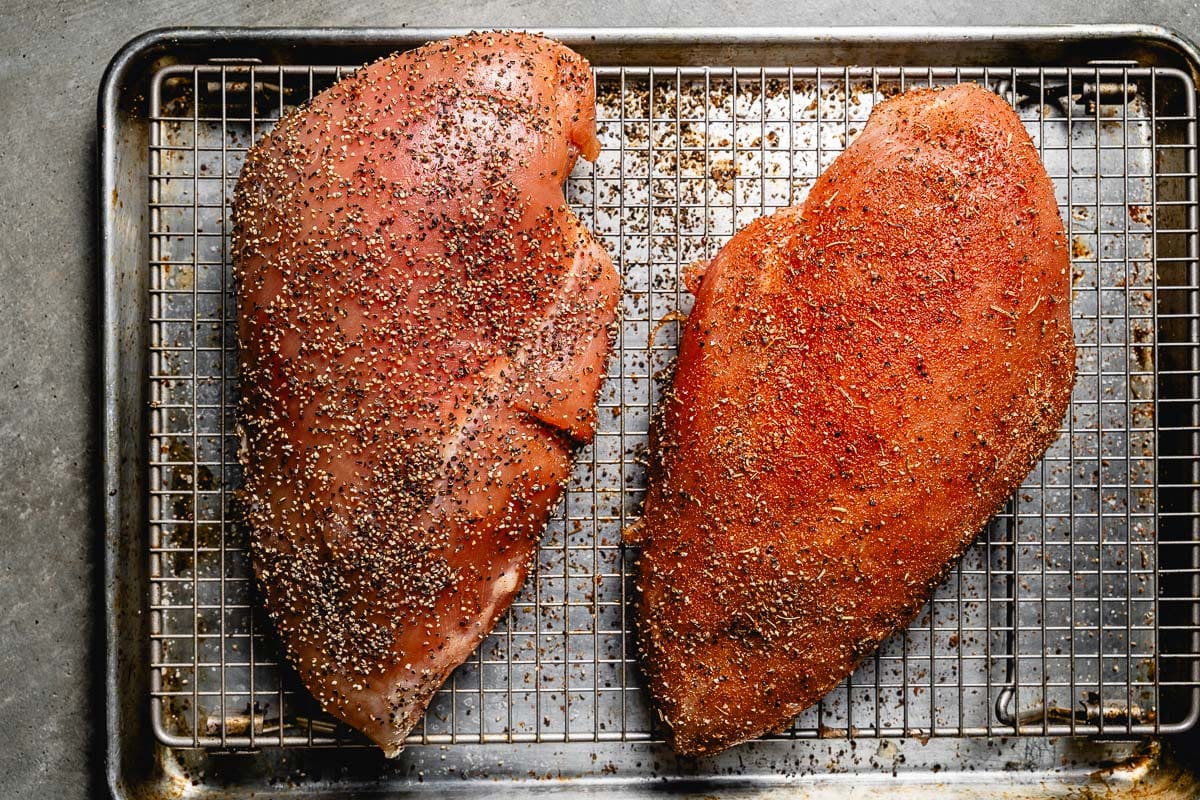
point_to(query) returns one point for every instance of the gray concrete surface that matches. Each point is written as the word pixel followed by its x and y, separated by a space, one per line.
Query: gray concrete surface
pixel 51 58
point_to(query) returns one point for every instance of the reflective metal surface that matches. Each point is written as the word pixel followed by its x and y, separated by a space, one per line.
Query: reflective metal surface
pixel 1074 614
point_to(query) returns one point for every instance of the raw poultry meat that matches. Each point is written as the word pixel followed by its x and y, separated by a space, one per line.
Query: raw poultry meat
pixel 863 381
pixel 423 328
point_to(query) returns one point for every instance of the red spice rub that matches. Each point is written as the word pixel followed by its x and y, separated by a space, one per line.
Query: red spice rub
pixel 423 327
pixel 863 382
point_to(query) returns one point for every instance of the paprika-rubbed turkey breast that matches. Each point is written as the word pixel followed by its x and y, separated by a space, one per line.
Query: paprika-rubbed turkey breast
pixel 863 381
pixel 423 328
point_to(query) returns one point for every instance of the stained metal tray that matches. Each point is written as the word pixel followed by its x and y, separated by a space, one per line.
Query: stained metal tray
pixel 1076 613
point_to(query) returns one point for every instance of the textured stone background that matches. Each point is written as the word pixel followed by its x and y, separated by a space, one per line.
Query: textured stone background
pixel 52 55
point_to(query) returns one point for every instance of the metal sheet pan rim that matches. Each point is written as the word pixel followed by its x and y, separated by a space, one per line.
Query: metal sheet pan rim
pixel 138 51
pixel 649 36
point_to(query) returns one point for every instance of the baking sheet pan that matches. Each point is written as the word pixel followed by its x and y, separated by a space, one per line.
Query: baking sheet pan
pixel 694 148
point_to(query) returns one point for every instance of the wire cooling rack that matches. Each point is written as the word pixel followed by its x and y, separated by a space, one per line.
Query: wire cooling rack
pixel 1074 613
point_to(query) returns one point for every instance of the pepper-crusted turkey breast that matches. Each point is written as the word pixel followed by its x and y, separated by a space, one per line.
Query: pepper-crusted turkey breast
pixel 423 328
pixel 862 383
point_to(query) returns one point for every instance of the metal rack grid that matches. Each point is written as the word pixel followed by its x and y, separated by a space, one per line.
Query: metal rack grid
pixel 1074 613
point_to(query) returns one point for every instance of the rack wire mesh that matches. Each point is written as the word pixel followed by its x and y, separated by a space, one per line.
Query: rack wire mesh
pixel 1075 612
